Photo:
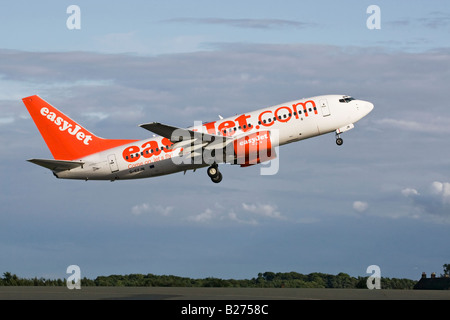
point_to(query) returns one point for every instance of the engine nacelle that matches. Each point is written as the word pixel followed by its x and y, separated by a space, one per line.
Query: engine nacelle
pixel 253 149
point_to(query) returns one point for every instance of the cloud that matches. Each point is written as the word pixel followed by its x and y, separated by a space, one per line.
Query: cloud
pixel 206 216
pixel 432 203
pixel 140 208
pixel 408 192
pixel 234 217
pixel 436 20
pixel 247 214
pixel 433 20
pixel 244 23
pixel 146 208
pixel 442 191
pixel 265 210
pixel 436 125
pixel 360 206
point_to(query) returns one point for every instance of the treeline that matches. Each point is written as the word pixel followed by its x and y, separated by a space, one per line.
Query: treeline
pixel 264 280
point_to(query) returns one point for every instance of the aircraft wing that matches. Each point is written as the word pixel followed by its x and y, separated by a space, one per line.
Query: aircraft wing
pixel 176 134
pixel 57 165
pixel 192 142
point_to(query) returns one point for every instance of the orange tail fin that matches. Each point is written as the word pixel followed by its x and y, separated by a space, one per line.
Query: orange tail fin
pixel 65 138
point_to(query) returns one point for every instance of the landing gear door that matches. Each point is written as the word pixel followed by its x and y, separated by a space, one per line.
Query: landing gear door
pixel 324 107
pixel 113 163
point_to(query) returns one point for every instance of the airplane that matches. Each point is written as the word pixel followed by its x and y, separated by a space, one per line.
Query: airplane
pixel 245 139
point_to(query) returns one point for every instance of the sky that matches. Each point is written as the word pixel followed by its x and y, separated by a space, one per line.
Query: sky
pixel 382 198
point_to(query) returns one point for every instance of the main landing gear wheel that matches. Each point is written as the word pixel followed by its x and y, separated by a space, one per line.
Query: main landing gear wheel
pixel 217 178
pixel 214 173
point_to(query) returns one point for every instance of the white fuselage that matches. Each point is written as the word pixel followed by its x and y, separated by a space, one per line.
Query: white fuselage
pixel 292 121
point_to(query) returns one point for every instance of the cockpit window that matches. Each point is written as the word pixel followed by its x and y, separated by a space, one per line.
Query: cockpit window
pixel 346 99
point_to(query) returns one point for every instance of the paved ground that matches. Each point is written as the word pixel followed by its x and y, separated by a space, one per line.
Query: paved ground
pixel 160 293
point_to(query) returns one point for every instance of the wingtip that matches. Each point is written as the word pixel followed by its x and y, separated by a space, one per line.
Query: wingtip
pixel 144 125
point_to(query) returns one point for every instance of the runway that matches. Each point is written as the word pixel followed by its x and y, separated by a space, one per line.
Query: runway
pixel 171 293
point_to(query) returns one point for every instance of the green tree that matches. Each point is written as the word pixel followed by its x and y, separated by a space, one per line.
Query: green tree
pixel 10 279
pixel 446 269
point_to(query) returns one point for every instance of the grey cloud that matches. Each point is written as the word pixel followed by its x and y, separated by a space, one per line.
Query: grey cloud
pixel 433 203
pixel 244 23
pixel 436 20
pixel 432 20
pixel 433 125
pixel 360 206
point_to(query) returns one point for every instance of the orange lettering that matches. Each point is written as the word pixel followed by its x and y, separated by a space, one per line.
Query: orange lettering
pixel 242 121
pixel 262 122
pixel 150 149
pixel 131 154
pixel 210 127
pixel 226 125
pixel 280 118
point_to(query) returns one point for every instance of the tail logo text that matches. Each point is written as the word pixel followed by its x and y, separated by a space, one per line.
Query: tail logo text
pixel 66 126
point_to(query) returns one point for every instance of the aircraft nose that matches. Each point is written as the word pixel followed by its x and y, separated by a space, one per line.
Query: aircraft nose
pixel 367 107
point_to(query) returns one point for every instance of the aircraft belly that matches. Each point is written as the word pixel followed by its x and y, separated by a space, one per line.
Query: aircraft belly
pixel 155 169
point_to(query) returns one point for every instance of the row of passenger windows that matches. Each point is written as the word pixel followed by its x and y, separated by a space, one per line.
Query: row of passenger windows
pixel 146 152
pixel 267 121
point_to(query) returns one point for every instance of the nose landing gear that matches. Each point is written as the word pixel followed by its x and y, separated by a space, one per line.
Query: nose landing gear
pixel 214 173
pixel 339 140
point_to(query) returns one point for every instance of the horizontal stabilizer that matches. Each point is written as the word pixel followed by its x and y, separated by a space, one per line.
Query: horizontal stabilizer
pixel 57 165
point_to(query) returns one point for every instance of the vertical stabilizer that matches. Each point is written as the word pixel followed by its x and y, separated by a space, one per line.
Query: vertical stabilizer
pixel 66 139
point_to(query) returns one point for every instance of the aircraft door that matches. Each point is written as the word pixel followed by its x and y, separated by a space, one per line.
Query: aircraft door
pixel 113 163
pixel 324 107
